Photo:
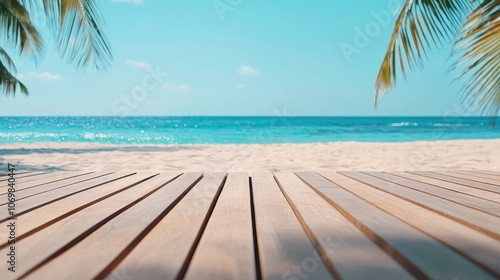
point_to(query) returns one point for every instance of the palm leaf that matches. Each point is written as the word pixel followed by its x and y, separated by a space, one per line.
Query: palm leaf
pixel 78 24
pixel 420 25
pixel 6 60
pixel 18 30
pixel 480 57
pixel 8 82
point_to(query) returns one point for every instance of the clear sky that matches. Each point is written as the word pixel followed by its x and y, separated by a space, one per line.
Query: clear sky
pixel 237 57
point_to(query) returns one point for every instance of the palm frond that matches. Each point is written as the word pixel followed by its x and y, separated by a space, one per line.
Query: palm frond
pixel 480 57
pixel 81 39
pixel 6 60
pixel 8 82
pixel 420 25
pixel 18 30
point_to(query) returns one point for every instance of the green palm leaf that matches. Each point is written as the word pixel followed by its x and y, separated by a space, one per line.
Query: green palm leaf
pixel 17 30
pixel 479 47
pixel 420 25
pixel 8 82
pixel 6 60
pixel 78 24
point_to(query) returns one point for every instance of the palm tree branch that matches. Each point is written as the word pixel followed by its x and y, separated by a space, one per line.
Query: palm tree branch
pixel 8 82
pixel 6 60
pixel 417 21
pixel 16 26
pixel 80 35
pixel 480 57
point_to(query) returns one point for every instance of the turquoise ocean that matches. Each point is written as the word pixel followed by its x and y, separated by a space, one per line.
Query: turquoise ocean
pixel 242 130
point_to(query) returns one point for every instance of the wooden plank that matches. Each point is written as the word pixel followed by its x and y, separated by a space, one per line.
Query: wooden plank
pixel 31 203
pixel 470 177
pixel 39 179
pixel 228 236
pixel 456 180
pixel 353 255
pixel 43 217
pixel 48 243
pixel 117 237
pixel 460 198
pixel 478 220
pixel 283 247
pixel 5 173
pixel 479 248
pixel 26 192
pixel 59 184
pixel 22 194
pixel 20 180
pixel 26 177
pixel 489 172
pixel 486 195
pixel 56 177
pixel 423 256
pixel 45 175
pixel 22 174
pixel 169 245
pixel 478 174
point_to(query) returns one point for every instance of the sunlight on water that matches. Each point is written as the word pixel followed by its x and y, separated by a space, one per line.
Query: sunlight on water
pixel 208 130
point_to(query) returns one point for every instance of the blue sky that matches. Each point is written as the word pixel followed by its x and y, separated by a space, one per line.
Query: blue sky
pixel 237 57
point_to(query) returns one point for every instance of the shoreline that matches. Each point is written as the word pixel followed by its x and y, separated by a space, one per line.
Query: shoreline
pixel 76 143
pixel 349 155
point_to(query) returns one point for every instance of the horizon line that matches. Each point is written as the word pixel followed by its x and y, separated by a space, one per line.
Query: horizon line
pixel 246 116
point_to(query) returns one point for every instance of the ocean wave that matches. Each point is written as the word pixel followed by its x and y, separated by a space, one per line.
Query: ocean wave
pixel 450 124
pixel 404 124
pixel 240 130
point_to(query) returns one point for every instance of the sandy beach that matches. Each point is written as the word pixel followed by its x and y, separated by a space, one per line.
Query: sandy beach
pixel 422 155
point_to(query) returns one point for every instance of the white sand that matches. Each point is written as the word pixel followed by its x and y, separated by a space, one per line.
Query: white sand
pixel 437 155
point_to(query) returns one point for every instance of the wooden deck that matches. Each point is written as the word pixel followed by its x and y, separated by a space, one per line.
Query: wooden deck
pixel 306 225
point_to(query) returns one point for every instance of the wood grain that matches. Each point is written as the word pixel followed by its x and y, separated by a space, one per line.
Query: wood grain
pixel 4 173
pixel 478 220
pixel 453 196
pixel 456 180
pixel 478 174
pixel 226 248
pixel 488 172
pixel 285 252
pixel 25 177
pixel 486 195
pixel 24 193
pixel 422 255
pixel 117 235
pixel 52 213
pixel 50 242
pixel 351 253
pixel 34 202
pixel 479 248
pixel 331 225
pixel 494 182
pixel 163 252
pixel 55 177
